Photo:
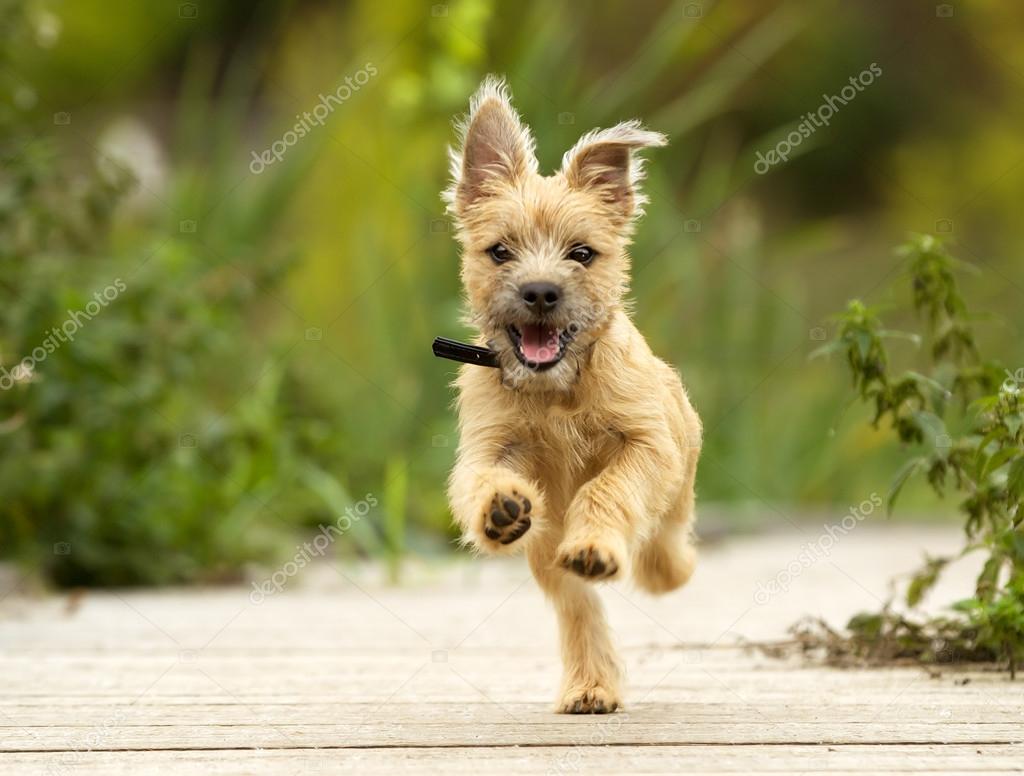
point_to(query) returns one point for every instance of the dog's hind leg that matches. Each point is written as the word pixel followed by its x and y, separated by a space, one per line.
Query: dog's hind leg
pixel 667 558
pixel 591 668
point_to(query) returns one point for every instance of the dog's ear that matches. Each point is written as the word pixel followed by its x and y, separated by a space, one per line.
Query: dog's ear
pixel 494 147
pixel 604 161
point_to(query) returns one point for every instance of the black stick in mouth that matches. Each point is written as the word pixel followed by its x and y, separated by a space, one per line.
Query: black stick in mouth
pixel 464 352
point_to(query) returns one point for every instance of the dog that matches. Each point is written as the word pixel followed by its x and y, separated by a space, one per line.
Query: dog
pixel 582 448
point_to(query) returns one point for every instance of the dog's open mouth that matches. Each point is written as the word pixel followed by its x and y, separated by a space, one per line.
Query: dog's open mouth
pixel 539 346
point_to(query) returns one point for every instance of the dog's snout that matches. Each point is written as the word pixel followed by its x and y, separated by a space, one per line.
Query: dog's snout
pixel 541 297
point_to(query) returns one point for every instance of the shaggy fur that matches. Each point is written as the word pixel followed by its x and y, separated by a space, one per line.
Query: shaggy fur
pixel 587 464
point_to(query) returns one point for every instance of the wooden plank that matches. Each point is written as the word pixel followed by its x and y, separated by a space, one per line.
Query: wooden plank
pixel 663 677
pixel 691 760
pixel 457 671
pixel 513 729
pixel 162 711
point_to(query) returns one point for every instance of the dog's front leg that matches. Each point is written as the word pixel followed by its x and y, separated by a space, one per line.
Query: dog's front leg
pixel 591 669
pixel 618 505
pixel 492 499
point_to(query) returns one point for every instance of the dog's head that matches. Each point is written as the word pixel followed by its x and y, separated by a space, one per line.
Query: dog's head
pixel 544 260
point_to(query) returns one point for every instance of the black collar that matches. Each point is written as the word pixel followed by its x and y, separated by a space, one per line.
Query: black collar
pixel 467 354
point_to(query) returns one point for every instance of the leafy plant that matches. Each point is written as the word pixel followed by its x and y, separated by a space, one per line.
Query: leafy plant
pixel 161 436
pixel 964 419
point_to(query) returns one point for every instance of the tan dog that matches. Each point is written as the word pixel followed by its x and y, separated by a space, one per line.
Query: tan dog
pixel 582 449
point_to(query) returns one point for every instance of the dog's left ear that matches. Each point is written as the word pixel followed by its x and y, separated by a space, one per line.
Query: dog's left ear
pixel 604 161
pixel 496 148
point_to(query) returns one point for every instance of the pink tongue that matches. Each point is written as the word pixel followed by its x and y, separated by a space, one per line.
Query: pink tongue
pixel 540 344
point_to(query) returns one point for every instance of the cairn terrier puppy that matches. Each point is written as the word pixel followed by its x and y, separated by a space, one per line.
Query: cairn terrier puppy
pixel 582 448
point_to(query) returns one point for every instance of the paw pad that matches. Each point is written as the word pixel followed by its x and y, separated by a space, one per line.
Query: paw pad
pixel 590 562
pixel 594 701
pixel 507 518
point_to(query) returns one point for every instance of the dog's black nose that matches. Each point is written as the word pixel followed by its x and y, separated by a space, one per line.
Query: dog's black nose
pixel 541 297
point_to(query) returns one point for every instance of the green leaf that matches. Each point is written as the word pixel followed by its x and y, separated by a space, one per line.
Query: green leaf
pixel 925 580
pixel 988 579
pixel 1015 480
pixel 911 467
pixel 935 427
pixel 866 625
pixel 1016 547
pixel 993 436
pixel 863 340
pixel 1013 424
pixel 906 335
pixel 1001 458
pixel 827 349
pixel 921 379
pixel 966 605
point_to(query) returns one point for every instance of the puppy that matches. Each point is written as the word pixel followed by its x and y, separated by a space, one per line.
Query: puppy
pixel 582 448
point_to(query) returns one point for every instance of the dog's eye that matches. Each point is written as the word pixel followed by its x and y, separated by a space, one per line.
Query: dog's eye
pixel 500 253
pixel 584 254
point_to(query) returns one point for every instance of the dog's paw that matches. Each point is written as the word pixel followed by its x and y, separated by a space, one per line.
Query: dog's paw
pixel 591 700
pixel 590 559
pixel 507 512
pixel 507 517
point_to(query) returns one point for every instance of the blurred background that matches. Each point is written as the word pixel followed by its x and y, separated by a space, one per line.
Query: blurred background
pixel 223 255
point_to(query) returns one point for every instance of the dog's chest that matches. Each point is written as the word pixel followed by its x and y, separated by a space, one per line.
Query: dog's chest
pixel 571 446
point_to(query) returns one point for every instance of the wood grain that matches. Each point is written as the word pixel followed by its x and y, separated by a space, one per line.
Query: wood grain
pixel 455 672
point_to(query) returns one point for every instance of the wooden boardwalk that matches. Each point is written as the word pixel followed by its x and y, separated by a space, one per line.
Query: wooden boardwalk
pixel 455 671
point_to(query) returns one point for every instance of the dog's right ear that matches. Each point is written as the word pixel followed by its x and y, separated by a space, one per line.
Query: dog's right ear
pixel 495 148
pixel 604 161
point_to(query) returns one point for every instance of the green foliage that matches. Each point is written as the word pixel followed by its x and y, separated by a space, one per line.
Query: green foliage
pixel 148 427
pixel 347 235
pixel 965 421
pixel 121 464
